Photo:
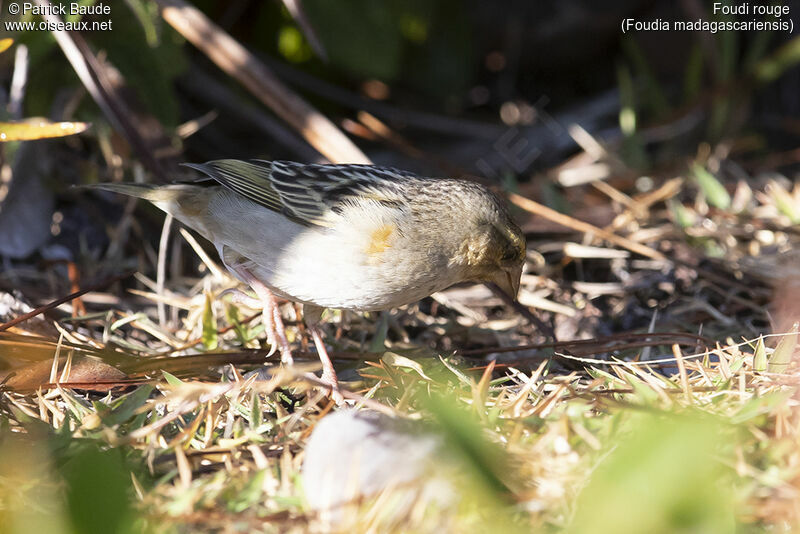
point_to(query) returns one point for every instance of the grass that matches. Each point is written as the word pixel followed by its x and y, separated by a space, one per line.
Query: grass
pixel 611 450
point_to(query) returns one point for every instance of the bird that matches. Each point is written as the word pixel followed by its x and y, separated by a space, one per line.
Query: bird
pixel 341 236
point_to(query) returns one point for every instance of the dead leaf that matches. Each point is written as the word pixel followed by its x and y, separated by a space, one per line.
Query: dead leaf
pixel 86 371
pixel 33 129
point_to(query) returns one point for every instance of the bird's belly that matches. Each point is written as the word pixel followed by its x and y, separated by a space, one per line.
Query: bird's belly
pixel 356 289
pixel 335 273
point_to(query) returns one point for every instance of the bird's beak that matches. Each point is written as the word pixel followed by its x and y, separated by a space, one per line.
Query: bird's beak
pixel 508 281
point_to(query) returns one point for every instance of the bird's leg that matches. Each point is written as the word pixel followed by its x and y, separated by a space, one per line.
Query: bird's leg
pixel 328 372
pixel 276 332
pixel 312 316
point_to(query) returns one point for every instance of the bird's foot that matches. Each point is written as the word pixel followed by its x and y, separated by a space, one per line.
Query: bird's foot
pixel 240 297
pixel 279 334
pixel 271 316
pixel 329 378
pixel 332 385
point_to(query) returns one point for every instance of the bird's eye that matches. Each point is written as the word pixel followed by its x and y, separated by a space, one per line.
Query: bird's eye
pixel 510 254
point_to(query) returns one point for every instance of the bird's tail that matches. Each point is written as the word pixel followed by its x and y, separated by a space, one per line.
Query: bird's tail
pixel 187 203
pixel 149 192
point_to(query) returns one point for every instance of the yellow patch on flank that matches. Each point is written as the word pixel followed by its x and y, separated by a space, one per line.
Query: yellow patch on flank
pixel 379 240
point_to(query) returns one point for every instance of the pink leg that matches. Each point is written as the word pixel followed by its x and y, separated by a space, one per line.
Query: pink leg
pixel 276 332
pixel 328 372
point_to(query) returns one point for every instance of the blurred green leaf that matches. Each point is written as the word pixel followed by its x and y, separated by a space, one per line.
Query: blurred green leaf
pixel 446 64
pixel 644 392
pixel 250 494
pixel 414 27
pixel 256 411
pixel 98 491
pixel 756 49
pixel 632 149
pixel 665 474
pixel 554 198
pixel 31 499
pixel 776 64
pixel 728 46
pixel 464 436
pixel 714 191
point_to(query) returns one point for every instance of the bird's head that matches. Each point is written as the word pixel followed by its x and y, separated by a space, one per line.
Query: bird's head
pixel 493 249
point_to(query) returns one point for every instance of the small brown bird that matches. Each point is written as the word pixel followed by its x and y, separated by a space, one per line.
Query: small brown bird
pixel 355 237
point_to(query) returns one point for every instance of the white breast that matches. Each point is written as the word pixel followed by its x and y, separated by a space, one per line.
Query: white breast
pixel 335 267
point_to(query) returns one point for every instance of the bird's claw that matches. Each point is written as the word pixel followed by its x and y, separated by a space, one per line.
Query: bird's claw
pixel 280 335
pixel 240 297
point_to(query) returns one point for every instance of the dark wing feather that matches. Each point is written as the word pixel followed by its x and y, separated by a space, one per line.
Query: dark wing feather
pixel 306 193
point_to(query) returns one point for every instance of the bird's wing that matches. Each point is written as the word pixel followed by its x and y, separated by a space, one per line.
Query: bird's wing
pixel 307 194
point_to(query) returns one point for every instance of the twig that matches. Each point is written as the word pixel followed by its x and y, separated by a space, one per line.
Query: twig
pixel 62 300
pixel 295 9
pixel 18 81
pixel 238 62
pixel 161 268
pixel 570 222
